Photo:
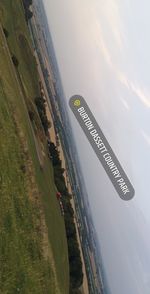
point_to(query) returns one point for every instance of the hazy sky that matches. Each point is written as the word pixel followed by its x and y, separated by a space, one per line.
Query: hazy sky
pixel 103 52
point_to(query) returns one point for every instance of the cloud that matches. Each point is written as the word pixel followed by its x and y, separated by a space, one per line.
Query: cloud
pixel 100 41
pixel 141 94
pixel 96 33
pixel 146 136
pixel 115 24
pixel 123 79
pixel 125 103
pixel 112 14
pixel 132 86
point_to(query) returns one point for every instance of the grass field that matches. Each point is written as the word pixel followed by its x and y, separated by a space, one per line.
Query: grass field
pixel 33 246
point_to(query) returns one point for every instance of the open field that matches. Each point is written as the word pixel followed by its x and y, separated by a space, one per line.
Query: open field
pixel 33 246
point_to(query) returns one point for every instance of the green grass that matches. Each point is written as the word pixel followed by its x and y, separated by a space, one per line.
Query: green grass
pixel 23 264
pixel 14 21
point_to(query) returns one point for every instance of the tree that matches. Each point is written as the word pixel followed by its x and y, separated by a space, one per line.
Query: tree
pixel 40 104
pixel 55 156
pixel 28 14
pixel 75 263
pixel 27 3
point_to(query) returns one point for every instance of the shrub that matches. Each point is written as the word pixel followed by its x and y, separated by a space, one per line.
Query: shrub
pixel 5 33
pixel 15 61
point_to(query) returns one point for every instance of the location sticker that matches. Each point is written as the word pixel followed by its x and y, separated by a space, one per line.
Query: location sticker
pixel 101 147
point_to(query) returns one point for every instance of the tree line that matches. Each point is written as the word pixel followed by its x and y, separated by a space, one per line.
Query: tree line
pixel 40 104
pixel 75 263
pixel 28 12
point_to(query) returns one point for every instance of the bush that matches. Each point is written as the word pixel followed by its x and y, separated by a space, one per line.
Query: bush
pixel 15 61
pixel 5 33
pixel 40 104
pixel 55 155
pixel 31 115
pixel 28 14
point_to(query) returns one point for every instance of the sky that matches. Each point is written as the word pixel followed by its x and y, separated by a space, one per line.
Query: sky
pixel 103 52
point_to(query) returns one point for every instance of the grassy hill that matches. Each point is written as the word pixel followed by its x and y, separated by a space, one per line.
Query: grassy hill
pixel 33 246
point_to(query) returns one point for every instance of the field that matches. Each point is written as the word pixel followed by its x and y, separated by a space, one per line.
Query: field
pixel 33 246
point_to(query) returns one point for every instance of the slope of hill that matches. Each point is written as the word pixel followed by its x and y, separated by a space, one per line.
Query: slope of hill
pixel 33 246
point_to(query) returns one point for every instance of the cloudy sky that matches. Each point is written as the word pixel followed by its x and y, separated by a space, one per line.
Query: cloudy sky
pixel 103 52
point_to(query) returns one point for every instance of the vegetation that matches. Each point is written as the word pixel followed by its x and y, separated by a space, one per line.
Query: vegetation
pixel 27 3
pixel 15 60
pixel 33 247
pixel 5 33
pixel 76 274
pixel 76 291
pixel 40 104
pixel 28 12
